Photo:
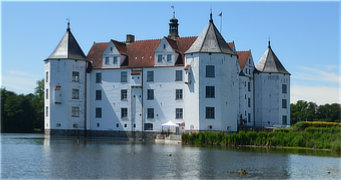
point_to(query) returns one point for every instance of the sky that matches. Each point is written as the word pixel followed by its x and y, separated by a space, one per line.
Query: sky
pixel 304 35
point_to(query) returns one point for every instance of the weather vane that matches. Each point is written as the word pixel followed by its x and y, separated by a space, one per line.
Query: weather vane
pixel 173 11
pixel 68 23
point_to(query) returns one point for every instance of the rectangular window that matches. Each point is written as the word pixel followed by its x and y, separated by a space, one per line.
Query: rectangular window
pixel 115 60
pixel 148 126
pixel 284 120
pixel 284 103
pixel 106 60
pixel 150 94
pixel 75 93
pixel 249 86
pixel 124 94
pixel 159 58
pixel 75 76
pixel 169 57
pixel 47 111
pixel 284 88
pixel 248 102
pixel 210 92
pixel 178 113
pixel 47 77
pixel 98 77
pixel 249 117
pixel 124 112
pixel 75 111
pixel 98 95
pixel 210 72
pixel 150 113
pixel 124 76
pixel 209 112
pixel 178 94
pixel 98 112
pixel 150 76
pixel 178 75
pixel 47 93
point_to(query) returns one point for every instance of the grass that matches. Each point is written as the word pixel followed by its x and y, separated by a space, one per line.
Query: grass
pixel 315 135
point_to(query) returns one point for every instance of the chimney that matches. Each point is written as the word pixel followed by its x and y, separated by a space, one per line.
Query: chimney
pixel 130 38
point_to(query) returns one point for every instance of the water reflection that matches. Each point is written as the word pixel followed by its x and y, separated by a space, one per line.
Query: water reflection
pixel 33 156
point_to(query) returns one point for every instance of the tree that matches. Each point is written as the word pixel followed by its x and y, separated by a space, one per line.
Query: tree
pixel 38 104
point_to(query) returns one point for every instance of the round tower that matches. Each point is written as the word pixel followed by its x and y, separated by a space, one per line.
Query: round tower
pixel 65 88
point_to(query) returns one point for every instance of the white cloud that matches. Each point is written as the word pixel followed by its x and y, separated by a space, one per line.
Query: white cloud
pixel 318 94
pixel 314 74
pixel 19 81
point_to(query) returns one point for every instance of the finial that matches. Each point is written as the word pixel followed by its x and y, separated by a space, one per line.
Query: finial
pixel 211 20
pixel 68 23
pixel 269 43
pixel 173 11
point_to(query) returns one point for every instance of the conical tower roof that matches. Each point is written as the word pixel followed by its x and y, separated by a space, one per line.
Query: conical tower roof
pixel 210 41
pixel 269 63
pixel 68 48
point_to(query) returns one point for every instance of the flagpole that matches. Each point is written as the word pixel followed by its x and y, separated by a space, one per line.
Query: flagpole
pixel 221 21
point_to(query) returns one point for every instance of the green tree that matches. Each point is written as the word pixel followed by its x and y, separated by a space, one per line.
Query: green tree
pixel 38 104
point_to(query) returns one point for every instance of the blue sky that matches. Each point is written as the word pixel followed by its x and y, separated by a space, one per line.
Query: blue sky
pixel 304 35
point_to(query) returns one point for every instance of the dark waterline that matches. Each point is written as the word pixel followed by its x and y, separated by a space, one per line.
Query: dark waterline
pixel 33 156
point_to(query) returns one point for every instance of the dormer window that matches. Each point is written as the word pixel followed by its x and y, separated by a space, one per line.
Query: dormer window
pixel 169 57
pixel 110 49
pixel 164 46
pixel 159 58
pixel 106 60
pixel 115 60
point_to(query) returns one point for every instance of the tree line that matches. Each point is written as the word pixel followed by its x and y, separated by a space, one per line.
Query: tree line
pixel 25 113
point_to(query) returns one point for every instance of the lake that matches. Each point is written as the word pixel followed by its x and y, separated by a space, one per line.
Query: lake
pixel 33 156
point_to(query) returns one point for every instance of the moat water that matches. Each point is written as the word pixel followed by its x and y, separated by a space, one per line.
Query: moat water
pixel 35 157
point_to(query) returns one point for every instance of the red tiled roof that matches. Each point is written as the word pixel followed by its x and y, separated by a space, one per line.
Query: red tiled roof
pixel 95 54
pixel 140 53
pixel 243 56
pixel 231 44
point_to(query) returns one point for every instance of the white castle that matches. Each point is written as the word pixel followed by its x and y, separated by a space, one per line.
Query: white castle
pixel 200 83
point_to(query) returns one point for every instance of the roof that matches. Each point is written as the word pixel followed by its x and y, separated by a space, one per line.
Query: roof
pixel 140 53
pixel 243 57
pixel 210 41
pixel 269 63
pixel 68 48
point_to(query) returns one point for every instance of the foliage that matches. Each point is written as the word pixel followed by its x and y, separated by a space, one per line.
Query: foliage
pixel 22 113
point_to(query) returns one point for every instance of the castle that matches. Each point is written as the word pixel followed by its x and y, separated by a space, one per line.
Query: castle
pixel 199 83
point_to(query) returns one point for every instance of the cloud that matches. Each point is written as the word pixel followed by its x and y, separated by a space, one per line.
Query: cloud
pixel 19 81
pixel 318 94
pixel 314 74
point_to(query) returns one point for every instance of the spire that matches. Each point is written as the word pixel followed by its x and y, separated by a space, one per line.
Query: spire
pixel 68 24
pixel 173 26
pixel 211 20
pixel 269 63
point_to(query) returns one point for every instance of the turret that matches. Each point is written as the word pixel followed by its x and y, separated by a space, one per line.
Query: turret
pixel 173 27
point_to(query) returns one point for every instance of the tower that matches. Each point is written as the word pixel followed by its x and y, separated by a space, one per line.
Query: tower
pixel 272 91
pixel 173 27
pixel 65 81
pixel 212 83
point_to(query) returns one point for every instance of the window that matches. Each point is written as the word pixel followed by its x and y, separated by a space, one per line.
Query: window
pixel 178 94
pixel 249 86
pixel 124 112
pixel 98 95
pixel 47 77
pixel 98 77
pixel 115 60
pixel 75 76
pixel 124 77
pixel 111 49
pixel 97 124
pixel 75 111
pixel 284 103
pixel 284 120
pixel 178 113
pixel 178 75
pixel 209 112
pixel 47 93
pixel 209 91
pixel 148 126
pixel 150 113
pixel 284 88
pixel 125 125
pixel 117 125
pixel 106 60
pixel 249 117
pixel 46 111
pixel 210 71
pixel 169 57
pixel 150 94
pixel 75 93
pixel 98 112
pixel 248 102
pixel 124 94
pixel 159 58
pixel 150 76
